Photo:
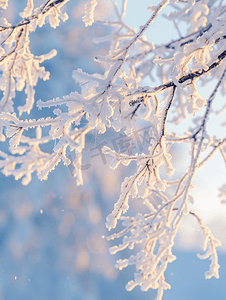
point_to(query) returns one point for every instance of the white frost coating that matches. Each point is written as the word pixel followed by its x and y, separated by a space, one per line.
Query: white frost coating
pixel 122 205
pixel 121 263
pixel 210 245
pixel 28 10
pixel 89 8
pixel 4 4
pixel 115 249
pixel 118 98
pixel 43 175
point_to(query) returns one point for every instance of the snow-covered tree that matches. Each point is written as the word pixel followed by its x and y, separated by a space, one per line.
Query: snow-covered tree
pixel 142 84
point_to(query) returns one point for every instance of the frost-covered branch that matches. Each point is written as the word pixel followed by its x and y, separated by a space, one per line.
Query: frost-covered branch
pixel 119 99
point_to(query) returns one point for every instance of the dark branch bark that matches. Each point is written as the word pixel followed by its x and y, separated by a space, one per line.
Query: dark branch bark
pixel 189 77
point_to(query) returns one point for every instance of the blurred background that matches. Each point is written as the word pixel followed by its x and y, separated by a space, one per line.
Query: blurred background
pixel 52 233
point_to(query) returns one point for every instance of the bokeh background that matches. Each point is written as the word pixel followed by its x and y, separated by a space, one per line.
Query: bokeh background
pixel 52 233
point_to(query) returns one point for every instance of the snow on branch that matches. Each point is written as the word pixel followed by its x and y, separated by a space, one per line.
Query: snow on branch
pixel 123 96
pixel 89 8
